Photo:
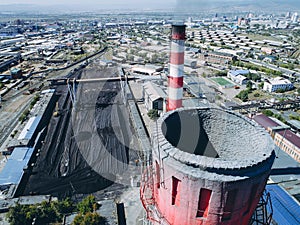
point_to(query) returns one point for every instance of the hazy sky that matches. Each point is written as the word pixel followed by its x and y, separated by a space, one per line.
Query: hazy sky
pixel 130 2
pixel 97 2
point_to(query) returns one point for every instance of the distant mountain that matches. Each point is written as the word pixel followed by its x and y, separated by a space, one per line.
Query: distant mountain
pixel 27 8
pixel 215 6
pixel 239 5
pixel 96 6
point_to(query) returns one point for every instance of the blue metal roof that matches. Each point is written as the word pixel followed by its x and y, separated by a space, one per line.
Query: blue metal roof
pixel 242 72
pixel 239 72
pixel 29 129
pixel 18 155
pixel 13 170
pixel 15 70
pixel 286 210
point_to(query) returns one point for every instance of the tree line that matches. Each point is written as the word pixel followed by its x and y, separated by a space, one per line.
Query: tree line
pixel 53 212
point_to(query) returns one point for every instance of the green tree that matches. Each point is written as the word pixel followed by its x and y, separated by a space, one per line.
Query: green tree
pixel 78 219
pixel 221 73
pixel 65 206
pixel 253 76
pixel 256 95
pixel 90 218
pixel 19 215
pixel 153 114
pixel 243 95
pixel 294 117
pixel 43 213
pixel 47 214
pixel 35 99
pixel 249 85
pixel 267 112
pixel 261 85
pixel 23 116
pixel 155 58
pixel 129 57
pixel 279 117
pixel 88 204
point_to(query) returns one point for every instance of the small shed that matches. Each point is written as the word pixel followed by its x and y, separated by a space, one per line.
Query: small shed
pixel 190 63
pixel 16 73
pixel 154 96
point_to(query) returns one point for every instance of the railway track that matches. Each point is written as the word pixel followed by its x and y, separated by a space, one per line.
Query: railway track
pixel 12 123
pixel 9 125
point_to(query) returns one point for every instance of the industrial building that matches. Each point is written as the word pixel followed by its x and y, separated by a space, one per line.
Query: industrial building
pixel 23 148
pixel 7 61
pixel 208 166
pixel 283 137
pixel 11 41
pixel 14 169
pixel 216 57
pixel 280 200
pixel 146 70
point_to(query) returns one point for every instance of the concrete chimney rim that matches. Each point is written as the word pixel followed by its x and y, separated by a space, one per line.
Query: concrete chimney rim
pixel 240 159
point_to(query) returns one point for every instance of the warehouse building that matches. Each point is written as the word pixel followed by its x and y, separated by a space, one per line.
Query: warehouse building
pixel 283 137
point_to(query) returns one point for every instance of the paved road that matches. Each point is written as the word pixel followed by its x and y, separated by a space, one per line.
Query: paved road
pixel 273 67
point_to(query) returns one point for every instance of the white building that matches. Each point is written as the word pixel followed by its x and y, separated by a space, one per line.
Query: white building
pixel 295 18
pixel 278 83
pixel 238 76
pixel 146 70
pixel 190 63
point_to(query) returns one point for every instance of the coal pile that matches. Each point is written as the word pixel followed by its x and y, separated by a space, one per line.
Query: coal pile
pixel 86 146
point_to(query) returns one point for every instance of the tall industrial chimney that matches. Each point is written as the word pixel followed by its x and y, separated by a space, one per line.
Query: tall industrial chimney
pixel 209 167
pixel 175 80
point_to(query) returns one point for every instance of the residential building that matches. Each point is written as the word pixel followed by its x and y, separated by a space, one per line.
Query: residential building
pixel 278 83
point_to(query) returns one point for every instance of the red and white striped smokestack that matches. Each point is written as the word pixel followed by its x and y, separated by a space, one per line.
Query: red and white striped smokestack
pixel 175 80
